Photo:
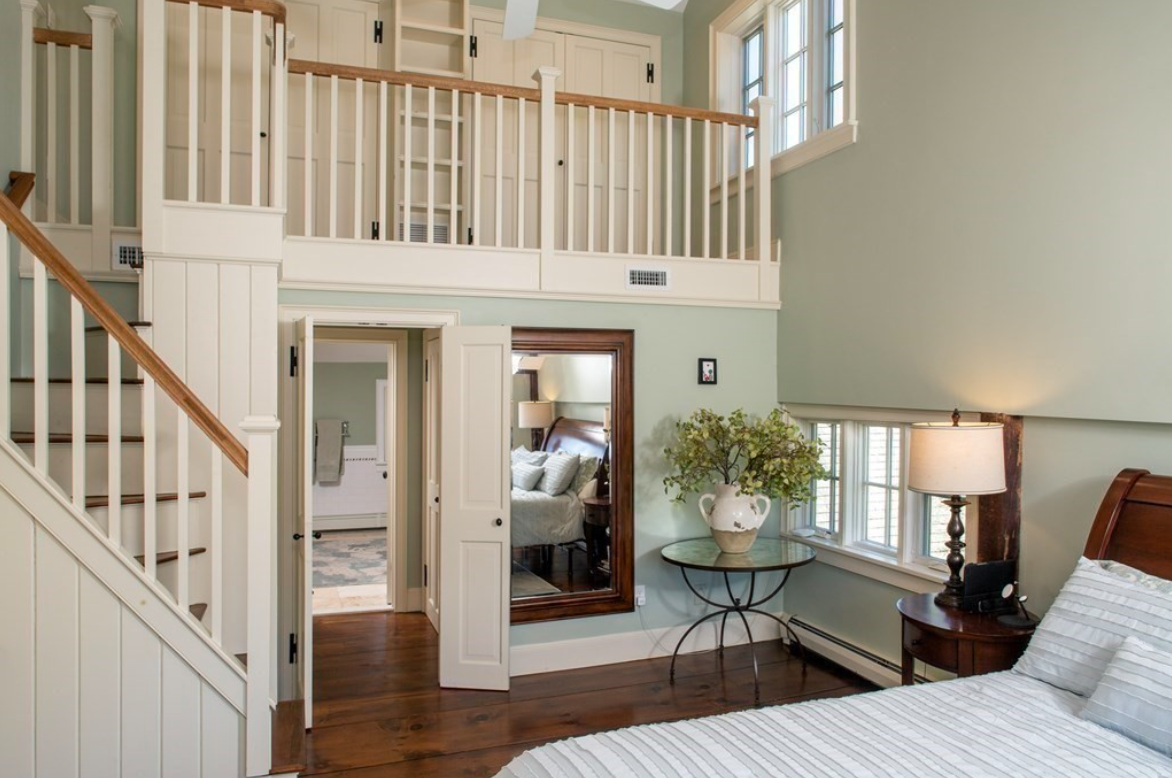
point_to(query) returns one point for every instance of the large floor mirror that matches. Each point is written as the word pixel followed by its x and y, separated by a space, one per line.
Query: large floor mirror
pixel 572 469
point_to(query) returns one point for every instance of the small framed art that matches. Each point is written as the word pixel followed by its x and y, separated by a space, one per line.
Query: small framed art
pixel 706 371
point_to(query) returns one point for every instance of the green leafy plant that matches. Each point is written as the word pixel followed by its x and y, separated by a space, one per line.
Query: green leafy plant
pixel 763 456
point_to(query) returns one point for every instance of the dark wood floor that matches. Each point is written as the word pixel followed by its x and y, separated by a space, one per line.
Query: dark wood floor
pixel 378 711
pixel 564 568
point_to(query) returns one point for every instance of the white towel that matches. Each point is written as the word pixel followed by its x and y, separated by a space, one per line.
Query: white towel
pixel 327 453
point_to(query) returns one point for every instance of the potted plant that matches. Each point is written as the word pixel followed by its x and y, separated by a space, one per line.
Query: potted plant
pixel 751 461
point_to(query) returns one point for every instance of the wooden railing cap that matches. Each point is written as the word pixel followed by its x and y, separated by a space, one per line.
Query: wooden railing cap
pixel 271 8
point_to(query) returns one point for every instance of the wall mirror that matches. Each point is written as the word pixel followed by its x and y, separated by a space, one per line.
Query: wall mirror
pixel 572 470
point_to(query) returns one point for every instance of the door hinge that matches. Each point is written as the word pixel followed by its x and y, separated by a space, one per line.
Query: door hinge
pixel 374 230
pixel 292 361
pixel 292 648
pixel 425 575
pixel 426 370
pixel 378 32
pixel 650 72
pixel 471 45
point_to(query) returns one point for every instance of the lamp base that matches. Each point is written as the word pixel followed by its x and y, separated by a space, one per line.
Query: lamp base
pixel 947 599
pixel 954 589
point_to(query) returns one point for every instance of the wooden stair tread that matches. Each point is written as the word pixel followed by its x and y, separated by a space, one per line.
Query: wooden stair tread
pixel 66 437
pixel 103 500
pixel 170 556
pixel 289 737
pixel 135 324
pixel 198 609
pixel 101 381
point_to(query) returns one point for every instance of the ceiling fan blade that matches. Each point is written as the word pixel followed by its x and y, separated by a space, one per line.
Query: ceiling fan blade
pixel 520 19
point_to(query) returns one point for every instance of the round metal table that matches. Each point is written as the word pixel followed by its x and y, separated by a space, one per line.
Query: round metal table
pixel 766 555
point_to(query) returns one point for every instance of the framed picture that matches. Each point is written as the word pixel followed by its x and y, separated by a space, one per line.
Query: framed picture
pixel 707 370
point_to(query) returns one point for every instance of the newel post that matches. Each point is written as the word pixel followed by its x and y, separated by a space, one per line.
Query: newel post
pixel 546 77
pixel 278 118
pixel 103 23
pixel 152 25
pixel 30 13
pixel 261 434
pixel 762 108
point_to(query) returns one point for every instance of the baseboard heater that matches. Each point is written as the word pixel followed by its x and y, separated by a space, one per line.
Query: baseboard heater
pixel 858 651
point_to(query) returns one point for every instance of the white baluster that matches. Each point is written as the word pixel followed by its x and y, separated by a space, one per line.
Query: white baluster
pixel 51 132
pixel 333 233
pixel 477 131
pixel 706 191
pixel 453 194
pixel 547 194
pixel 591 163
pixel 279 122
pixel 762 108
pixel 408 137
pixel 192 101
pixel 114 432
pixel 74 134
pixel 150 489
pixel 77 390
pixel 257 42
pixel 570 157
pixel 182 512
pixel 649 194
pixel 310 126
pixel 430 164
pixel 742 195
pixel 497 179
pixel 40 367
pixel 687 186
pixel 630 182
pixel 722 128
pixel 358 153
pixel 384 164
pixel 521 173
pixel 668 193
pixel 610 180
pixel 217 546
pixel 226 105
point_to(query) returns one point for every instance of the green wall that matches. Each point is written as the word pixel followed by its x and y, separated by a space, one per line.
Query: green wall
pixel 997 239
pixel 346 390
pixel 668 340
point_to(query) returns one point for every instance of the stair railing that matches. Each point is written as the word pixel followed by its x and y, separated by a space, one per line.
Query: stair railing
pixel 124 535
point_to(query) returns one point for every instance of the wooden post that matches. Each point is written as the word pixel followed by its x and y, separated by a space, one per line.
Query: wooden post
pixel 999 515
pixel 547 77
pixel 261 434
pixel 30 14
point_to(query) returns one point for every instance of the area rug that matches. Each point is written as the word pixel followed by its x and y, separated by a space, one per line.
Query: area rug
pixel 526 584
pixel 350 558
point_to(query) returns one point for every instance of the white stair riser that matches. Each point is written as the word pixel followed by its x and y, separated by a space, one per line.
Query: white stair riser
pixel 61 408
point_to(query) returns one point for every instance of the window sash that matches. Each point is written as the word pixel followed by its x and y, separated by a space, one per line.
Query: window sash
pixel 748 85
pixel 890 487
pixel 833 502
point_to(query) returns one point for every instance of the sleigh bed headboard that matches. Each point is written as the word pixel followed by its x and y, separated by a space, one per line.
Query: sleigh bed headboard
pixel 1134 523
pixel 576 436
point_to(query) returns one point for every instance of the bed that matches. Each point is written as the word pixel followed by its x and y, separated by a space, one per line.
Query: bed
pixel 1003 724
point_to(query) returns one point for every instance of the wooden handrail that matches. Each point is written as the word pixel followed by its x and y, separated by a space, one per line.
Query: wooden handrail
pixel 63 37
pixel 20 187
pixel 348 72
pixel 270 8
pixel 67 275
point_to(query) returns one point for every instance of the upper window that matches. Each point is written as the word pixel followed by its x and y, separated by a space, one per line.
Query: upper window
pixel 794 66
pixel 752 82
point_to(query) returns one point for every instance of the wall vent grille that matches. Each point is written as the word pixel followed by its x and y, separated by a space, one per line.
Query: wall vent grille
pixel 127 254
pixel 419 233
pixel 648 278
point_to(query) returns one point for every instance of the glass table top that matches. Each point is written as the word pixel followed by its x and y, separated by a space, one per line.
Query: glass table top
pixel 766 554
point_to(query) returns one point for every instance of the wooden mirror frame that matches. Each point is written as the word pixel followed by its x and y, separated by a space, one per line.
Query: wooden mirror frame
pixel 620 597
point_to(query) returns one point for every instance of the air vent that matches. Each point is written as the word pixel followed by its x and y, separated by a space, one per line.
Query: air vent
pixel 419 233
pixel 127 253
pixel 648 278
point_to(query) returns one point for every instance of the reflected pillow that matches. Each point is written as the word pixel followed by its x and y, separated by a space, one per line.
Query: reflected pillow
pixel 526 476
pixel 587 468
pixel 522 454
pixel 560 470
pixel 589 490
pixel 1134 697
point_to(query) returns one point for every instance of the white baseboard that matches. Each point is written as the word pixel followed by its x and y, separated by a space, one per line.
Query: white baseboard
pixel 361 521
pixel 632 646
pixel 873 672
pixel 414 601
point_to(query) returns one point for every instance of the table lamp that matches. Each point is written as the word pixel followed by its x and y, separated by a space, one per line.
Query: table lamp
pixel 536 415
pixel 956 459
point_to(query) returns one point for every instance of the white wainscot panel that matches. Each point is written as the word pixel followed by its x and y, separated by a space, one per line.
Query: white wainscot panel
pixel 221 231
pixel 362 492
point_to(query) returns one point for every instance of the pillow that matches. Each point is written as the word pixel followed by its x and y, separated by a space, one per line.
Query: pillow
pixel 560 470
pixel 1134 697
pixel 1092 616
pixel 589 490
pixel 587 467
pixel 1129 573
pixel 522 454
pixel 525 476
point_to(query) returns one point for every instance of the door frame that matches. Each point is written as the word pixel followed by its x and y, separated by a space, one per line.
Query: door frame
pixel 288 610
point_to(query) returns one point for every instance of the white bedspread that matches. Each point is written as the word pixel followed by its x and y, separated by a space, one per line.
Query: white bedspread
pixel 994 725
pixel 539 519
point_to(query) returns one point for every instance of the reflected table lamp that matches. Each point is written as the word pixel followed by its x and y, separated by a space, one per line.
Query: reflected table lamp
pixel 536 415
pixel 956 459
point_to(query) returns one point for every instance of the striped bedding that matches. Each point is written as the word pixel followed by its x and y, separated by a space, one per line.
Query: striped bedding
pixel 1004 724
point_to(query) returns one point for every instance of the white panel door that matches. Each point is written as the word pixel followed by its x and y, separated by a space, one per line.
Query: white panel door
pixel 609 68
pixel 305 433
pixel 475 552
pixel 431 476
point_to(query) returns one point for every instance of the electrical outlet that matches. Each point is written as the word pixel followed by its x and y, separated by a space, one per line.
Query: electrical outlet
pixel 640 596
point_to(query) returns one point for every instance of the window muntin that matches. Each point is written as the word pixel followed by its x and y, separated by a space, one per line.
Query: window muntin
pixel 752 83
pixel 881 484
pixel 835 64
pixel 826 506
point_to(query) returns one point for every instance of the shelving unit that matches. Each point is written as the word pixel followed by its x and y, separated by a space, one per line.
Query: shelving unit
pixel 431 37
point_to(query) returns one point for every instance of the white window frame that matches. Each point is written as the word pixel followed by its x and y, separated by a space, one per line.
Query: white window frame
pixel 906 567
pixel 725 71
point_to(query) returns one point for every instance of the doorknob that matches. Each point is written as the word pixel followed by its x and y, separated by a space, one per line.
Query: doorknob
pixel 499 522
pixel 437 500
pixel 384 475
pixel 299 536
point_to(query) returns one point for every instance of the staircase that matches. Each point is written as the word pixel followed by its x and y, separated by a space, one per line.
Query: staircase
pixel 130 616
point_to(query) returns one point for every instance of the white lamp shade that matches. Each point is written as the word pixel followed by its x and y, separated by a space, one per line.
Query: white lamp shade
pixel 964 459
pixel 606 419
pixel 534 414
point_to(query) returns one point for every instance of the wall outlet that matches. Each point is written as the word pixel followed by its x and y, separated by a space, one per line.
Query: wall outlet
pixel 640 596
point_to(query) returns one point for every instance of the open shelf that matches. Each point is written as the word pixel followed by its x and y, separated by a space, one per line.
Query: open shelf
pixel 437 13
pixel 432 53
pixel 436 28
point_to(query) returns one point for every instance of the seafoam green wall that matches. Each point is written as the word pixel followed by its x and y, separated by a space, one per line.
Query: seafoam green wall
pixel 997 239
pixel 668 340
pixel 346 390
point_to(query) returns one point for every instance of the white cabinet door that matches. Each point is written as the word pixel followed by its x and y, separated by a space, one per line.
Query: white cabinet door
pixel 475 552
pixel 431 476
pixel 305 435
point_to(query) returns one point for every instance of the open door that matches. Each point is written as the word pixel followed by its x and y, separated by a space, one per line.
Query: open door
pixel 472 383
pixel 431 460
pixel 305 449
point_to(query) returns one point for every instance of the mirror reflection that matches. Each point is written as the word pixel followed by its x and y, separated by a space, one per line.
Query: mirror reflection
pixel 561 466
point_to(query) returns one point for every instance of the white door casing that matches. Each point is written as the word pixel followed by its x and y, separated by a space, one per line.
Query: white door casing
pixel 474 541
pixel 431 476
pixel 304 337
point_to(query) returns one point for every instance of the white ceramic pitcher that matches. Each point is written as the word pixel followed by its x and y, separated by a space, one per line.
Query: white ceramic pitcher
pixel 734 518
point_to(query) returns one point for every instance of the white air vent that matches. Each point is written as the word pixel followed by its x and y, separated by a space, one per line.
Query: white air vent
pixel 127 253
pixel 419 233
pixel 648 278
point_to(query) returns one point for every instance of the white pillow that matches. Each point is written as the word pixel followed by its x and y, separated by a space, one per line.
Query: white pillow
pixel 1129 573
pixel 1134 697
pixel 1092 616
pixel 525 477
pixel 560 470
pixel 589 490
pixel 522 454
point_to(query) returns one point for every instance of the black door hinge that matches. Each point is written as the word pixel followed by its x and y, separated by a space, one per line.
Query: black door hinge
pixel 469 236
pixel 650 72
pixel 426 370
pixel 292 361
pixel 471 45
pixel 374 230
pixel 378 32
pixel 425 575
pixel 292 648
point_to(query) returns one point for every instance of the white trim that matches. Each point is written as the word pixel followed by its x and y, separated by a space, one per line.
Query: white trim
pixel 813 412
pixel 357 521
pixel 881 567
pixel 355 316
pixel 875 673
pixel 617 647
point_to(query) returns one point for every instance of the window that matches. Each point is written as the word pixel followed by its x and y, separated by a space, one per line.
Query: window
pixel 835 64
pixel 934 533
pixel 753 83
pixel 881 485
pixel 795 48
pixel 825 504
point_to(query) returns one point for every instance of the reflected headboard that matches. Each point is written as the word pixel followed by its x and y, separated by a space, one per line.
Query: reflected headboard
pixel 1134 523
pixel 575 436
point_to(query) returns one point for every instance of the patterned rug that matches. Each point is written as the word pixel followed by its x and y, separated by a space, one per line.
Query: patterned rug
pixel 350 558
pixel 526 584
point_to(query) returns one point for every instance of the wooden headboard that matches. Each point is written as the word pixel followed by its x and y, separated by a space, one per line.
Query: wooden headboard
pixel 576 436
pixel 1134 523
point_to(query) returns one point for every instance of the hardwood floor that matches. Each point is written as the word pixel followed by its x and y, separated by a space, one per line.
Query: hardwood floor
pixel 379 712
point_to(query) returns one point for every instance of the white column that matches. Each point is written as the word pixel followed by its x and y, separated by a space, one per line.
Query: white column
pixel 30 14
pixel 261 434
pixel 103 23
pixel 547 77
pixel 152 25
pixel 279 120
pixel 762 108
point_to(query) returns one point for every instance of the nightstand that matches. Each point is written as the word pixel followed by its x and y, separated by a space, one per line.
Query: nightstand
pixel 955 640
pixel 596 529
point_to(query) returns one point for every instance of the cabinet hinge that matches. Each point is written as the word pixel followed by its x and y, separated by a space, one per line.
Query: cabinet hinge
pixel 650 72
pixel 374 230
pixel 378 32
pixel 292 361
pixel 471 45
